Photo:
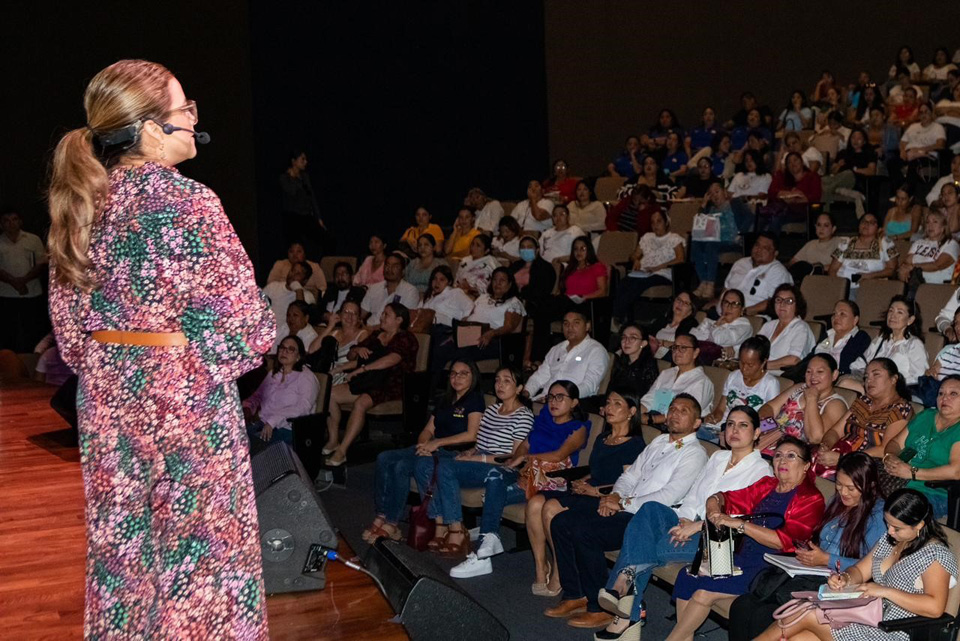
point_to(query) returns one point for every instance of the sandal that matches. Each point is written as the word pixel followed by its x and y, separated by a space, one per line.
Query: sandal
pixel 455 550
pixel 541 589
pixel 368 535
pixel 434 544
pixel 380 533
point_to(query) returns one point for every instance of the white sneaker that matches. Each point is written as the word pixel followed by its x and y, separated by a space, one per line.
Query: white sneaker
pixel 472 567
pixel 489 546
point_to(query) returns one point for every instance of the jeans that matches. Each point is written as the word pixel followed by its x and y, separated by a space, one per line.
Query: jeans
pixel 499 484
pixel 423 474
pixel 706 257
pixel 280 434
pixel 580 537
pixel 392 481
pixel 646 545
pixel 629 290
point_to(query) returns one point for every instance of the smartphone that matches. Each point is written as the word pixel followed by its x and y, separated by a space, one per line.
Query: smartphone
pixel 801 545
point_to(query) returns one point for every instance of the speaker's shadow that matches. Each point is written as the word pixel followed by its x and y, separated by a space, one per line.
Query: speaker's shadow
pixel 60 443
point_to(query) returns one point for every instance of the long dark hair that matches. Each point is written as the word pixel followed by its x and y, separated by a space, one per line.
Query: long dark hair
pixel 301 355
pixel 788 179
pixel 633 401
pixel 572 265
pixel 891 367
pixel 912 507
pixel 913 329
pixel 443 270
pixel 573 392
pixel 449 395
pixel 644 335
pixel 865 474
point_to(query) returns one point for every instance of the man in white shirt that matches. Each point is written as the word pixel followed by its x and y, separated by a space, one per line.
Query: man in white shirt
pixel 923 138
pixel 944 321
pixel 579 359
pixel 758 274
pixel 23 312
pixel 392 289
pixel 533 214
pixel 663 473
pixel 489 212
pixel 952 177
pixel 281 294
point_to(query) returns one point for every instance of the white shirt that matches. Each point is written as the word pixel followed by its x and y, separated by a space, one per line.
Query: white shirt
pixel 749 184
pixel 744 276
pixel 476 272
pixel 593 217
pixel 945 317
pixel 657 250
pixel 522 213
pixel 663 473
pixel 449 305
pixel 696 383
pixel 851 266
pixel 18 258
pixel 909 354
pixel 715 477
pixel 931 72
pixel 556 244
pixel 378 297
pixel 510 248
pixel 927 250
pixel 486 310
pixel 917 135
pixel 726 335
pixel 585 365
pixel 488 218
pixel 280 298
pixel 738 393
pixel 795 340
pixel 809 155
pixel 308 334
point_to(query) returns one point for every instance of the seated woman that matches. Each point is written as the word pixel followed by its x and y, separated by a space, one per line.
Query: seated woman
pixel 659 534
pixel 949 204
pixel 727 332
pixel 793 188
pixel 634 367
pixel 903 219
pixel 675 158
pixel 586 212
pixel 788 507
pixel 441 306
pixel 657 251
pixel 817 255
pixel 287 392
pixel 844 342
pixel 679 319
pixel 617 446
pixel 555 242
pixel 938 69
pixel 697 182
pixel 899 340
pixel 927 449
pixel 790 336
pixel 464 231
pixel 535 277
pixel 704 253
pixel 371 270
pixel 561 186
pixel 297 324
pixel 699 139
pixel 811 156
pixel 874 419
pixel 914 553
pixel 628 163
pixel 655 140
pixel 375 372
pixel 685 376
pixel 474 271
pixel 506 245
pixel 851 526
pixel 934 255
pixel 852 167
pixel 316 284
pixel 409 242
pixel 634 210
pixel 418 270
pixel 806 410
pixel 722 164
pixel 797 115
pixel 504 426
pixel 868 255
pixel 329 351
pixel 452 426
pixel 754 181
pixel 751 385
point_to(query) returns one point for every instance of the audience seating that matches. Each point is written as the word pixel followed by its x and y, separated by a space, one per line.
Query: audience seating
pixel 930 299
pixel 874 298
pixel 617 247
pixel 681 215
pixel 508 206
pixel 607 187
pixel 821 293
pixel 327 264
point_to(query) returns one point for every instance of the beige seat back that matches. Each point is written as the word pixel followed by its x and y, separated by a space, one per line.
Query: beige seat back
pixel 616 247
pixel 874 299
pixel 785 384
pixel 508 206
pixel 323 393
pixel 327 264
pixel 933 343
pixel 822 292
pixel 423 352
pixel 930 300
pixel 953 598
pixel 681 217
pixel 718 376
pixel 606 188
pixel 756 322
pixel 596 427
pixel 606 377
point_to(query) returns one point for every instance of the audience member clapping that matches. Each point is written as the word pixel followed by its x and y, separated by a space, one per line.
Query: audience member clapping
pixel 288 391
pixel 316 284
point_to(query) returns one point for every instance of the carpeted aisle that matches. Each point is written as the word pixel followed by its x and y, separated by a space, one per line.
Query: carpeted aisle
pixel 506 592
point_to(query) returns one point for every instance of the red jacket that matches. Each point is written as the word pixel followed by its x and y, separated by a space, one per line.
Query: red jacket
pixel 643 216
pixel 810 185
pixel 801 518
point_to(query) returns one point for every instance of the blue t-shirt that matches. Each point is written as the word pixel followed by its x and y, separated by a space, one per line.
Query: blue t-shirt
pixel 702 137
pixel 674 162
pixel 719 162
pixel 548 436
pixel 450 420
pixel 624 166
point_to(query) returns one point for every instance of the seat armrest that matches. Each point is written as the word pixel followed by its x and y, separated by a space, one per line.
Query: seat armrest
pixel 946 484
pixel 911 624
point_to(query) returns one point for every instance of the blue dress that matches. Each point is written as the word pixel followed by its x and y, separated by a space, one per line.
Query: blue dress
pixel 749 558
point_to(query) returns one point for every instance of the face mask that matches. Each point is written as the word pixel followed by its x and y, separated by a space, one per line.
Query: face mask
pixel 527 255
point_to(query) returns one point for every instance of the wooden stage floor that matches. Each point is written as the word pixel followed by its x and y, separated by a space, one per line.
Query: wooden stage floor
pixel 42 544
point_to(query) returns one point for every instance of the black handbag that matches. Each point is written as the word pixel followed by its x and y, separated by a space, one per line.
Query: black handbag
pixel 773 585
pixel 370 379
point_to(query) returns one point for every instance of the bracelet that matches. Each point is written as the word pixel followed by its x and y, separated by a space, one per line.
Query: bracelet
pixel 742 528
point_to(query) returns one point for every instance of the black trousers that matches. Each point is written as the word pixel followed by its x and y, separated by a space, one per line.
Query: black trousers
pixel 580 537
pixel 749 617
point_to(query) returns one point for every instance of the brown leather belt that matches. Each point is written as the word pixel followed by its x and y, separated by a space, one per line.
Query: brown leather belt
pixel 146 339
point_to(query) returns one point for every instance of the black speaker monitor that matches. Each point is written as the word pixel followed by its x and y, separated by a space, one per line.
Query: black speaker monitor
pixel 293 523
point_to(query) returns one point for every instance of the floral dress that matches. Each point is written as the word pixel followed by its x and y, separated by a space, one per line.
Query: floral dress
pixel 789 419
pixel 172 533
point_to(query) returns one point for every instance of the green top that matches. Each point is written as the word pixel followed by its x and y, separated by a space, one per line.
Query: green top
pixel 933 448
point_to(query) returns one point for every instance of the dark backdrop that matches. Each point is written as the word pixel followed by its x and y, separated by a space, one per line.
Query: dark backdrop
pixel 613 64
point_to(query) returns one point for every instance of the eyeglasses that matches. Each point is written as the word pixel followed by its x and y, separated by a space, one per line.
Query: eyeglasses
pixel 680 348
pixel 786 456
pixel 556 397
pixel 731 303
pixel 287 348
pixel 753 290
pixel 684 302
pixel 461 374
pixel 189 108
pixel 783 301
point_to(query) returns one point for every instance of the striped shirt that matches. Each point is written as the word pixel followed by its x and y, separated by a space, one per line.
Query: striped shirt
pixel 949 358
pixel 498 433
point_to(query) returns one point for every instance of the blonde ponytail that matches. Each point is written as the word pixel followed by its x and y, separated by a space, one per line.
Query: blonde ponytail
pixel 124 94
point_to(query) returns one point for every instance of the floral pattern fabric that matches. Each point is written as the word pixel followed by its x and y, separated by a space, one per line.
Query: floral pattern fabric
pixel 172 533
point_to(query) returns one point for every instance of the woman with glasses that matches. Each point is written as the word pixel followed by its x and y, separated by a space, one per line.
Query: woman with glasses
pixel 868 255
pixel 634 367
pixel 452 427
pixel 790 336
pixel 684 376
pixel 287 392
pixel 788 507
pixel 329 351
pixel 679 319
pixel 720 338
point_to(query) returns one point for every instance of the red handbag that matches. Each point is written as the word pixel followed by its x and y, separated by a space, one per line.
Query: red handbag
pixel 422 528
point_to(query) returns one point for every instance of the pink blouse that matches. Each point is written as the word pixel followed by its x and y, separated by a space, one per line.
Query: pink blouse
pixel 584 281
pixel 366 275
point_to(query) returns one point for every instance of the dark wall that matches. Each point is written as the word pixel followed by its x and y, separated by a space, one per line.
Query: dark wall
pixel 612 65
pixel 52 50
pixel 398 105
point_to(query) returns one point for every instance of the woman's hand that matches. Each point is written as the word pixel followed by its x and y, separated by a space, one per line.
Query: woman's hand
pixel 361 352
pixel 267 432
pixel 609 505
pixel 872 589
pixel 333 320
pixel 486 338
pixel 895 467
pixel 812 556
pixel 840 581
pixel 515 462
pixel 582 487
pixel 427 449
pixel 686 530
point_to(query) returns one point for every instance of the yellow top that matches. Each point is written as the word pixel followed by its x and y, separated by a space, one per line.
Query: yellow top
pixel 413 234
pixel 461 248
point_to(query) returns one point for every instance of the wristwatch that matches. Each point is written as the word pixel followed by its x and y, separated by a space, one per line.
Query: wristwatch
pixel 742 528
pixel 624 501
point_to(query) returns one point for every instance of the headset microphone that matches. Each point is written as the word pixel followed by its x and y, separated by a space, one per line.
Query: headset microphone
pixel 201 137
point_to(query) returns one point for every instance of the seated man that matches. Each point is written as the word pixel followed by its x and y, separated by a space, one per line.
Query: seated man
pixel 297 323
pixel 758 274
pixel 341 290
pixel 579 358
pixel 282 293
pixel 663 473
pixel 489 211
pixel 295 254
pixel 921 142
pixel 684 377
pixel 952 177
pixel 392 289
